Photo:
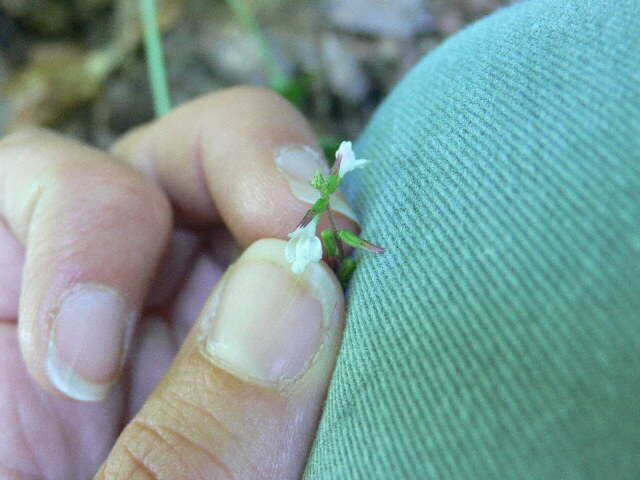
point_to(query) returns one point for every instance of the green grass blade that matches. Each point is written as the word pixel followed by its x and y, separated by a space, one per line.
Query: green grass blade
pixel 155 58
pixel 276 77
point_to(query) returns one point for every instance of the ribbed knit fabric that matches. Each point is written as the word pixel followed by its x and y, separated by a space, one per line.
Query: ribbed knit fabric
pixel 499 336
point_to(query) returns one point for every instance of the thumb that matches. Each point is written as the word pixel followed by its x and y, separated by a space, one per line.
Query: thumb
pixel 243 397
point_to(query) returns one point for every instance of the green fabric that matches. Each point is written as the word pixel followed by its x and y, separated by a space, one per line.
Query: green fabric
pixel 499 336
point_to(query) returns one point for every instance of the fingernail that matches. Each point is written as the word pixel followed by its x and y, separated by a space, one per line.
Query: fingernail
pixel 299 163
pixel 268 324
pixel 87 346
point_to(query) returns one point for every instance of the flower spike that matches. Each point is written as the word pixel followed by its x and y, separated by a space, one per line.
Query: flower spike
pixel 304 246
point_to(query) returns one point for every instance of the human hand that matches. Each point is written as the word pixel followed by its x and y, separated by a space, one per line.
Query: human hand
pixel 93 238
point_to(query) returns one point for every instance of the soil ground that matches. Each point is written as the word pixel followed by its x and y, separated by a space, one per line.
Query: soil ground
pixel 78 66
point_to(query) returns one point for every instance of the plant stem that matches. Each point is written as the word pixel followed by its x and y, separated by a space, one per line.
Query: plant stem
pixel 276 76
pixel 335 233
pixel 155 58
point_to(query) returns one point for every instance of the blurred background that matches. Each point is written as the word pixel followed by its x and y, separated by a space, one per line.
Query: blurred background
pixel 78 66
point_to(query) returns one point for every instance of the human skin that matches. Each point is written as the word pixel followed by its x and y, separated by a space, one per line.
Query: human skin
pixel 144 233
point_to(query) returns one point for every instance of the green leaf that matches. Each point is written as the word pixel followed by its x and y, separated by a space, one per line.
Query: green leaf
pixel 296 90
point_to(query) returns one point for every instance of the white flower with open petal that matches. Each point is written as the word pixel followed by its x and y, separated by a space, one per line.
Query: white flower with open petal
pixel 348 160
pixel 304 246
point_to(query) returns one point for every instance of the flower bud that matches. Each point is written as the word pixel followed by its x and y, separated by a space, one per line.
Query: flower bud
pixel 355 241
pixel 329 242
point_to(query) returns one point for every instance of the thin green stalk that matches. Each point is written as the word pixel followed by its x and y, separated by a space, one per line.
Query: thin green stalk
pixel 276 76
pixel 156 69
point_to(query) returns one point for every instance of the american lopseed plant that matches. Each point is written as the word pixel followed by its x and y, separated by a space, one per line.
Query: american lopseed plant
pixel 304 246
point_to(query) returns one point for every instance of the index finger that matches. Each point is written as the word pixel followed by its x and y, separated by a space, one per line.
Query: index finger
pixel 244 155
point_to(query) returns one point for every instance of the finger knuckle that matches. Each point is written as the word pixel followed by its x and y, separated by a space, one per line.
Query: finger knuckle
pixel 109 192
pixel 143 200
pixel 159 451
pixel 260 102
pixel 250 94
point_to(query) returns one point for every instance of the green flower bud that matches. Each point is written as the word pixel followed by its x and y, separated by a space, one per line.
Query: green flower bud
pixel 329 242
pixel 355 241
pixel 349 238
pixel 318 181
pixel 346 270
pixel 333 181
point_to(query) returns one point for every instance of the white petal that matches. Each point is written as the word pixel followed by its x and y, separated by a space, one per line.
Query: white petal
pixel 347 158
pixel 315 250
pixel 303 249
pixel 298 266
pixel 290 250
pixel 304 246
pixel 361 162
pixel 346 151
pixel 310 229
pixel 296 233
pixel 344 169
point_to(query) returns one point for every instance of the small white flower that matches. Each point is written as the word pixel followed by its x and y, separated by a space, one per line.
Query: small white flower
pixel 304 247
pixel 348 159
